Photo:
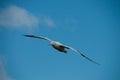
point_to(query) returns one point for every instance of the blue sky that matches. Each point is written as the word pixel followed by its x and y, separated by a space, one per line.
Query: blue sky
pixel 91 26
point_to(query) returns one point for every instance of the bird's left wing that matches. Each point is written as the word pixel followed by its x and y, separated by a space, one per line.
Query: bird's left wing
pixel 39 37
pixel 77 51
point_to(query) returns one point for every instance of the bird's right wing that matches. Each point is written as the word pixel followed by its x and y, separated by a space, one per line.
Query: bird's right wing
pixel 39 37
pixel 77 51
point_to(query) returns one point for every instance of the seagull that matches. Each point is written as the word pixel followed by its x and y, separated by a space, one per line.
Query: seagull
pixel 60 47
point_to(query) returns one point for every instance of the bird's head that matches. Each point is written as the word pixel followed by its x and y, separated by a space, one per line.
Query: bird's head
pixel 51 43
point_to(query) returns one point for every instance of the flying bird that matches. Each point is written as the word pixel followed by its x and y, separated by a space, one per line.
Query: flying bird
pixel 60 47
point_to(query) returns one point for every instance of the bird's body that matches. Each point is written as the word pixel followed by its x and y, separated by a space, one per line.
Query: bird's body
pixel 60 47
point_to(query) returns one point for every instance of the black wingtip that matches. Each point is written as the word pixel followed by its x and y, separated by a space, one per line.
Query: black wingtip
pixel 28 35
pixel 25 35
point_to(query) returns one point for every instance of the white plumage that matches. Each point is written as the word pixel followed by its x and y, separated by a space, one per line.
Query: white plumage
pixel 60 47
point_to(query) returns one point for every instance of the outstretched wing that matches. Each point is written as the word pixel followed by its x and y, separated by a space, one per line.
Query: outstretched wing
pixel 77 51
pixel 39 37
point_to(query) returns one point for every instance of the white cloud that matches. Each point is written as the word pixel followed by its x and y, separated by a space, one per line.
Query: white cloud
pixel 3 73
pixel 48 21
pixel 16 17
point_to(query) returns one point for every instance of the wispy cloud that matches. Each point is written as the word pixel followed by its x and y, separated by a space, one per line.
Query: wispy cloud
pixel 3 73
pixel 14 16
pixel 49 22
pixel 17 17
